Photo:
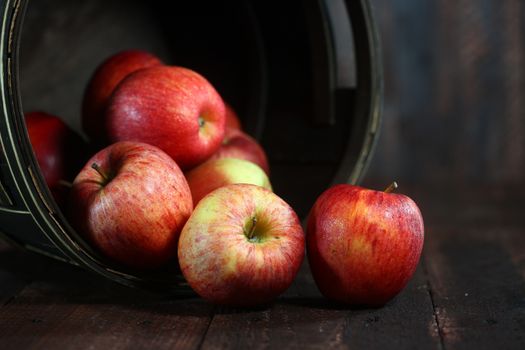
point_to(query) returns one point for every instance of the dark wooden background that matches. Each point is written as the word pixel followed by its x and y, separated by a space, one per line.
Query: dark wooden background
pixel 455 92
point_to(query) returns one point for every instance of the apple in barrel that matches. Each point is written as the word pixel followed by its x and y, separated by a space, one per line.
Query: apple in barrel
pixel 232 119
pixel 173 108
pixel 104 80
pixel 215 173
pixel 238 144
pixel 59 150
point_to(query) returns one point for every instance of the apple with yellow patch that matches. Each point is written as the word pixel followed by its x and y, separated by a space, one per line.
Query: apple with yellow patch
pixel 363 245
pixel 216 173
pixel 238 144
pixel 243 245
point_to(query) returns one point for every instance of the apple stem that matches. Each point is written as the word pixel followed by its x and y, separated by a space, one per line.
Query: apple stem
pixel 101 173
pixel 252 228
pixel 201 122
pixel 392 187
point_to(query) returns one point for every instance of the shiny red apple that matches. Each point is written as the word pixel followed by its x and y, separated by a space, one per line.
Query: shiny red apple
pixel 106 77
pixel 363 245
pixel 215 173
pixel 131 201
pixel 59 150
pixel 238 144
pixel 243 245
pixel 173 108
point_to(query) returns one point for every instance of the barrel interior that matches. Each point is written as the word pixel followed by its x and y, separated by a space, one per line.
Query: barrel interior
pixel 257 57
pixel 273 64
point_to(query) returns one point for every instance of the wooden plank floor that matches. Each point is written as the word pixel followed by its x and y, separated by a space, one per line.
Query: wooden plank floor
pixel 468 293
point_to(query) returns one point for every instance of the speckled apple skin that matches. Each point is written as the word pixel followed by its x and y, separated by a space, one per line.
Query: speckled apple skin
pixel 136 218
pixel 215 173
pixel 363 245
pixel 162 106
pixel 222 265
pixel 104 80
pixel 237 144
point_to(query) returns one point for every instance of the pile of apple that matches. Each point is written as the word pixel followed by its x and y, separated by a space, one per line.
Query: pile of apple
pixel 174 179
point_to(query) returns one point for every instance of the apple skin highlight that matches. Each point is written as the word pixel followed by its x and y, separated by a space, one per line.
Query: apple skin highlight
pixel 363 245
pixel 219 260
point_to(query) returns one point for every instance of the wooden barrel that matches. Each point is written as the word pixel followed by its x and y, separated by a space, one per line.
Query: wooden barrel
pixel 304 76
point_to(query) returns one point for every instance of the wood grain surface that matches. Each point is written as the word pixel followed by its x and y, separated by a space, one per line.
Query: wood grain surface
pixel 467 293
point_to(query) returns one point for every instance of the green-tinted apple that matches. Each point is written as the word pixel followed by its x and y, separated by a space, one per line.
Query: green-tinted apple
pixel 216 173
pixel 243 245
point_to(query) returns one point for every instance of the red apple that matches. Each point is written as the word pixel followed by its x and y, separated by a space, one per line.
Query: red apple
pixel 59 150
pixel 237 144
pixel 232 119
pixel 243 245
pixel 173 108
pixel 215 173
pixel 363 245
pixel 106 77
pixel 131 201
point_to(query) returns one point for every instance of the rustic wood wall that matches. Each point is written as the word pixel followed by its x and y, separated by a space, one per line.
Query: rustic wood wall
pixel 455 91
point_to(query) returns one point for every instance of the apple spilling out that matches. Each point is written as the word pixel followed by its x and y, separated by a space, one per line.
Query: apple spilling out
pixel 131 201
pixel 363 245
pixel 242 245
pixel 176 179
